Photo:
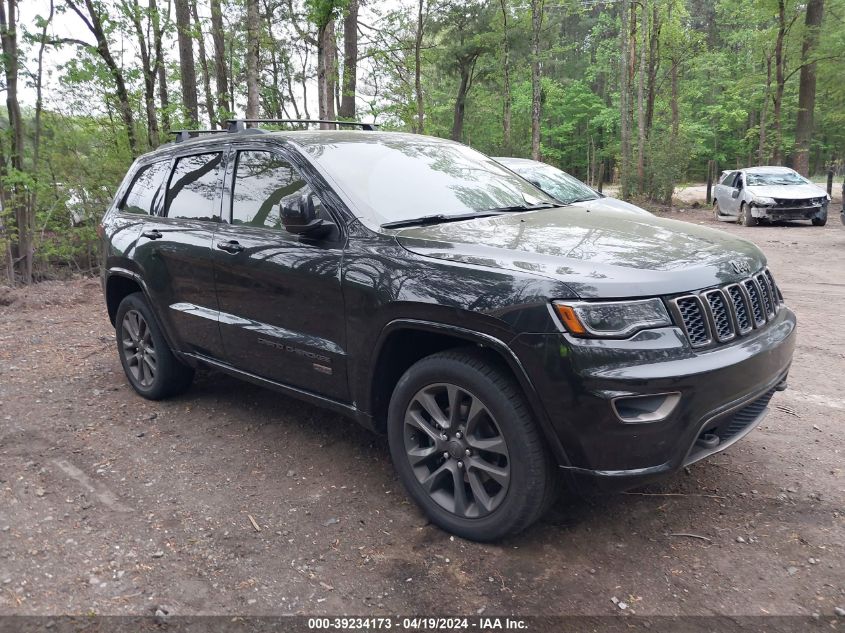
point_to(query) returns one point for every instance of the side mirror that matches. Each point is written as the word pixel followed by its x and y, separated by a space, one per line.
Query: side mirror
pixel 299 217
pixel 735 193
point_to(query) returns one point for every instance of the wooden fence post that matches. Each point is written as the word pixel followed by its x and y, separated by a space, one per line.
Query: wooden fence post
pixel 601 176
pixel 830 182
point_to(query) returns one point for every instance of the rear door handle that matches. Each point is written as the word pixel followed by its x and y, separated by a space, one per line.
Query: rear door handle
pixel 153 235
pixel 232 246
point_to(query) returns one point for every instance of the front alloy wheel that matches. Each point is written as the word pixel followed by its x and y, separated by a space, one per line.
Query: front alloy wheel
pixel 466 446
pixel 456 450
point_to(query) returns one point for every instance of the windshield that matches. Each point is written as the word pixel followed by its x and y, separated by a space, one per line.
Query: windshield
pixel 556 183
pixel 775 178
pixel 398 177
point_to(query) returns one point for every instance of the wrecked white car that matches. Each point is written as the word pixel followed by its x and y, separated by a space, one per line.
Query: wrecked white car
pixel 768 193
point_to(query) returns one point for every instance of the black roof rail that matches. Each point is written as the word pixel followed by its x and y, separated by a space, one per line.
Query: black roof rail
pixel 238 125
pixel 184 135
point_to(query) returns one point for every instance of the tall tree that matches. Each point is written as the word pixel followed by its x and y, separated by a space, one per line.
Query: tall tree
pixel 187 68
pixel 253 28
pixel 133 11
pixel 206 74
pixel 22 211
pixel 93 20
pixel 807 86
pixel 506 78
pixel 350 61
pixel 158 64
pixel 624 109
pixel 220 73
pixel 537 7
pixel 641 124
pixel 418 40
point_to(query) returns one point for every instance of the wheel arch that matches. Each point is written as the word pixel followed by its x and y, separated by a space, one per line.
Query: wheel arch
pixel 404 342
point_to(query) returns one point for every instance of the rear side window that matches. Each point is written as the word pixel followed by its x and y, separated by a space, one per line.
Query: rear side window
pixel 145 189
pixel 194 192
pixel 262 181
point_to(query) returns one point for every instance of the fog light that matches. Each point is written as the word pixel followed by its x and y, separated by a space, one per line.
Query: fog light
pixel 647 408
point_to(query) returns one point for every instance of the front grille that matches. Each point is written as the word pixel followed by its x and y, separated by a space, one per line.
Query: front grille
pixel 719 315
pixel 792 203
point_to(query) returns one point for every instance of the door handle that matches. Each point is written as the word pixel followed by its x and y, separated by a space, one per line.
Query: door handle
pixel 232 246
pixel 153 235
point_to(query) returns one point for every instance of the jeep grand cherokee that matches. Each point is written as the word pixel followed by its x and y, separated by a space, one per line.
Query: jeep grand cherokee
pixel 497 337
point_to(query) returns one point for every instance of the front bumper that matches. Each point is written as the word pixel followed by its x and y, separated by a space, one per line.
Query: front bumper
pixel 782 213
pixel 723 391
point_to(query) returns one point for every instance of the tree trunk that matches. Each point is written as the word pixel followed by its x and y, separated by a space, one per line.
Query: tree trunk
pixel 536 23
pixel 506 75
pixel 780 81
pixel 252 45
pixel 326 70
pixel 624 112
pixel 640 104
pixel 22 212
pixel 417 69
pixel 653 67
pixel 206 76
pixel 134 13
pixel 762 158
pixel 224 110
pixel 187 69
pixel 39 103
pixel 350 61
pixel 461 100
pixel 807 87
pixel 158 65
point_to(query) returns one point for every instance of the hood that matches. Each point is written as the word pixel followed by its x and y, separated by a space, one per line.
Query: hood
pixel 612 254
pixel 612 204
pixel 790 192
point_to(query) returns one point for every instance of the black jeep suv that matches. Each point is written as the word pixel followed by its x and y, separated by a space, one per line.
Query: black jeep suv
pixel 495 335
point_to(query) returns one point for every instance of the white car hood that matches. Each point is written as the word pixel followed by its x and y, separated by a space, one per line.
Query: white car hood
pixel 793 192
pixel 612 204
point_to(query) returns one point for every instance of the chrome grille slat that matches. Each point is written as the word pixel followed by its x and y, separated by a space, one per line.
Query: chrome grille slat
pixel 753 293
pixel 743 320
pixel 766 291
pixel 719 315
pixel 694 320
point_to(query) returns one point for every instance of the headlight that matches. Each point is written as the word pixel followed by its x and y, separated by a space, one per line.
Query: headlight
pixel 611 319
pixel 762 202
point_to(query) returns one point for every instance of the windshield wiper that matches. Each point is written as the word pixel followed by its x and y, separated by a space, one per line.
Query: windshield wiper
pixel 437 219
pixel 524 207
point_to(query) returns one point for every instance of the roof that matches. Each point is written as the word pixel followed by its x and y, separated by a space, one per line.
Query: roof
pixel 303 138
pixel 767 169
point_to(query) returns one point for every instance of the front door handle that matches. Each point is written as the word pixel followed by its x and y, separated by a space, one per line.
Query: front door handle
pixel 232 246
pixel 153 235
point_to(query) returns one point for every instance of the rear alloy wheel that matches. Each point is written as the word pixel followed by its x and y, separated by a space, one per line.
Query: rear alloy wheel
pixel 151 367
pixel 466 447
pixel 745 217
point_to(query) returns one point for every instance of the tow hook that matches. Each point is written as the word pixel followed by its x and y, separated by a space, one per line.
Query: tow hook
pixel 707 440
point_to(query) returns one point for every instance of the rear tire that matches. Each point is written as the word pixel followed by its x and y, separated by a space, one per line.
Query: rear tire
pixel 745 217
pixel 717 212
pixel 466 446
pixel 148 362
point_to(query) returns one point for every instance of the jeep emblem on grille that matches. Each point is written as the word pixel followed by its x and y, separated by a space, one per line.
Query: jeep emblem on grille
pixel 740 266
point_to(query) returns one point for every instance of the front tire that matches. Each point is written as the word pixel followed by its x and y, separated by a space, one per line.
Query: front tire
pixel 148 362
pixel 820 220
pixel 466 447
pixel 745 217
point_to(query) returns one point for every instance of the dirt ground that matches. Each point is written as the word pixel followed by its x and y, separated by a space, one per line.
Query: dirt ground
pixel 110 504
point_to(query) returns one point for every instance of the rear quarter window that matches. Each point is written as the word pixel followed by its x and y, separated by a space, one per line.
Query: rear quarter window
pixel 145 190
